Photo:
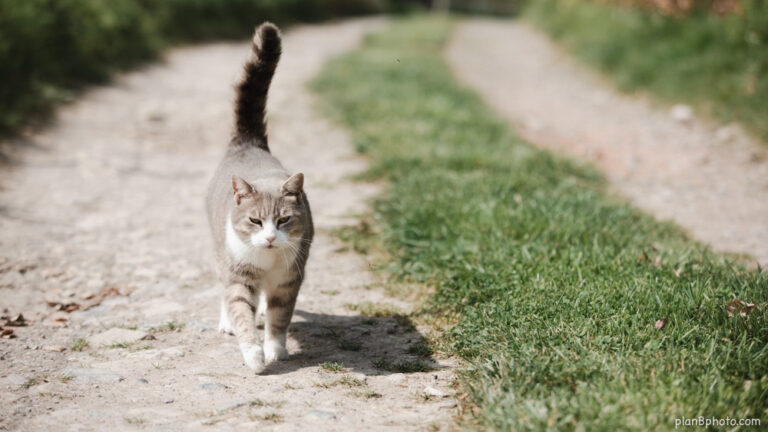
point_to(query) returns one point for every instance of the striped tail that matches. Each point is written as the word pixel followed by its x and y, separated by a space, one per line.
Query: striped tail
pixel 251 102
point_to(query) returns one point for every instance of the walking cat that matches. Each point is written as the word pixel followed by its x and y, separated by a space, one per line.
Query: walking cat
pixel 260 219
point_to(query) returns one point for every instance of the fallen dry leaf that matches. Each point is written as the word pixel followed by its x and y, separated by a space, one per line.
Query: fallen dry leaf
pixel 7 333
pixel 747 385
pixel 739 307
pixel 16 321
pixel 112 291
pixel 54 348
pixel 55 324
pixel 657 262
pixel 660 324
pixel 725 339
pixel 678 272
pixel 66 307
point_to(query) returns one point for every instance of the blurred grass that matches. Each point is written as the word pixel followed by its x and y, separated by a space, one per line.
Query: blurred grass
pixel 719 64
pixel 49 48
pixel 553 286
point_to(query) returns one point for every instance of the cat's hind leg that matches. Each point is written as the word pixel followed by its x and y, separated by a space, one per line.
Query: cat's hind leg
pixel 241 312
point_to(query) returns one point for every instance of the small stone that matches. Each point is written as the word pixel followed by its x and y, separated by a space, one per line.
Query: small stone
pixel 118 336
pixel 227 406
pixel 213 386
pixel 681 113
pixel 168 401
pixel 321 414
pixel 53 348
pixel 143 381
pixel 397 378
pixel 92 375
pixel 16 379
pixel 431 391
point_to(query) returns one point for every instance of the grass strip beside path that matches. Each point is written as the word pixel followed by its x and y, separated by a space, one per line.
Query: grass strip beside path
pixel 557 286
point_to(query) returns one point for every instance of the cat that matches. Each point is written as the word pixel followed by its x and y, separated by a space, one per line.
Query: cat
pixel 260 219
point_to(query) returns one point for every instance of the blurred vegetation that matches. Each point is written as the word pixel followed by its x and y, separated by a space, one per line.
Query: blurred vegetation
pixel 48 48
pixel 712 54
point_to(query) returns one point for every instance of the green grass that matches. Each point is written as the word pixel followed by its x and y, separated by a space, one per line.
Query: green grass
pixel 79 345
pixel 332 367
pixel 717 64
pixel 401 366
pixel 553 303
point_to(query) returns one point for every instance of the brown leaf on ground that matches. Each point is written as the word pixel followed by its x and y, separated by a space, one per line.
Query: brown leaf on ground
pixel 7 333
pixel 15 321
pixel 739 307
pixel 660 324
pixel 657 261
pixel 105 293
pixel 55 324
pixel 65 307
pixel 93 299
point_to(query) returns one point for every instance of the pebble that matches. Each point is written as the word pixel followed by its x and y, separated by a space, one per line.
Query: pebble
pixel 681 113
pixel 321 414
pixel 431 391
pixel 16 379
pixel 213 386
pixel 165 353
pixel 92 375
pixel 117 335
pixel 227 406
pixel 143 381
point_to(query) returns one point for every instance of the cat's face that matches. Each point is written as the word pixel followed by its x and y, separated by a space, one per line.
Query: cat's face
pixel 269 219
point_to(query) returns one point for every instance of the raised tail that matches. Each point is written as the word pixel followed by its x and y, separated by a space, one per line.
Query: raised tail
pixel 251 102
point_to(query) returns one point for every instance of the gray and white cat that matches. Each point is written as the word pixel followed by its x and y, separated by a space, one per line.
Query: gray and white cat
pixel 260 219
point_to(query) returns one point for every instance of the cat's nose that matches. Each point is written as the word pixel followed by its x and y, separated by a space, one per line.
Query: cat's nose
pixel 270 239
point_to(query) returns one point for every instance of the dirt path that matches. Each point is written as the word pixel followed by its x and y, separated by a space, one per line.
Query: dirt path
pixel 113 197
pixel 712 181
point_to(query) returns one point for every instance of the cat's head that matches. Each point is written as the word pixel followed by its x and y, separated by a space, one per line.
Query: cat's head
pixel 269 215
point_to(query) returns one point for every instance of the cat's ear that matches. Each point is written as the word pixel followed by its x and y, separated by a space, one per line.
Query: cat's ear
pixel 293 186
pixel 241 188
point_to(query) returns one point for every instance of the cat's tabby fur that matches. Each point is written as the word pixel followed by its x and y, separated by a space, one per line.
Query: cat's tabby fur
pixel 260 219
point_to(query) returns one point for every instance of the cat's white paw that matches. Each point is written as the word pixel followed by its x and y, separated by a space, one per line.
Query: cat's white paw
pixel 273 350
pixel 224 325
pixel 254 356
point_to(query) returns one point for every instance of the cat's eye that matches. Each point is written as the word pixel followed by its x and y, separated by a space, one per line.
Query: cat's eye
pixel 255 221
pixel 283 220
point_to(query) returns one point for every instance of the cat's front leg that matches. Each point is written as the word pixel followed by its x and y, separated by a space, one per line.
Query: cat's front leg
pixel 277 318
pixel 242 315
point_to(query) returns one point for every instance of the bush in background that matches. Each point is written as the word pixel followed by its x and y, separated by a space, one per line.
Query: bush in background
pixel 48 48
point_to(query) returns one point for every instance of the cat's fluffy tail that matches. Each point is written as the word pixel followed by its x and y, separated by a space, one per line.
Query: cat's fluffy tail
pixel 251 102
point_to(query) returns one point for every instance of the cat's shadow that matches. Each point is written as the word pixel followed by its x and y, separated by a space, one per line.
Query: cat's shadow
pixel 372 346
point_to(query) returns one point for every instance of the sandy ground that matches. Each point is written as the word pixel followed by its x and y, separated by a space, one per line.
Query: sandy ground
pixel 711 180
pixel 112 197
